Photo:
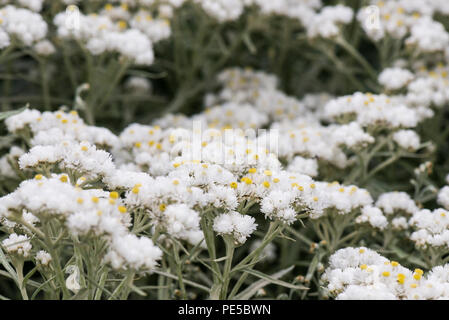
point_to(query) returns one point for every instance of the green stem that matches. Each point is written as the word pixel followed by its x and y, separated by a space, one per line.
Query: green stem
pixel 19 271
pixel 381 166
pixel 45 87
pixel 206 226
pixel 355 54
pixel 230 247
pixel 179 271
pixel 69 67
pixel 123 288
pixel 55 261
pixel 252 258
pixel 119 75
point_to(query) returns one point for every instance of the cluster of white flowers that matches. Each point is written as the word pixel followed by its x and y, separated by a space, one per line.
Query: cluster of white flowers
pixel 17 244
pixel 82 158
pixel 239 226
pixel 303 166
pixel 84 209
pixel 35 5
pixel 183 223
pixel 343 199
pixel 432 228
pixel 101 34
pixel 326 23
pixel 407 139
pixel 443 197
pixel 392 210
pixel 351 135
pixel 298 125
pixel 428 36
pixel 393 18
pixel 394 202
pixel 376 110
pixel 43 258
pixel 132 252
pixel 138 85
pixel 302 10
pixel 360 274
pixel 52 128
pixel 10 158
pixel 373 216
pixel 430 88
pixel 156 29
pixel 44 48
pixel 90 212
pixel 223 10
pixel 395 78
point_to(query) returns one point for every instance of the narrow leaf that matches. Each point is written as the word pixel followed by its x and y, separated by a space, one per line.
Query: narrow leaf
pixel 6 114
pixel 249 292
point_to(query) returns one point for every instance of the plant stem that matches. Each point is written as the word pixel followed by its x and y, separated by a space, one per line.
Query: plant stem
pixel 252 258
pixel 179 271
pixel 19 271
pixel 354 53
pixel 45 87
pixel 230 247
pixel 123 287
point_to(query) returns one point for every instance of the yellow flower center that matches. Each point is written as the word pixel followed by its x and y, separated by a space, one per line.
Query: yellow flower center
pixel 122 209
pixel 419 271
pixel 135 190
pixel 122 24
pixel 113 195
